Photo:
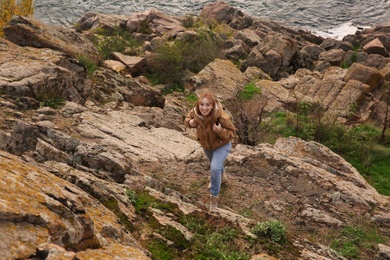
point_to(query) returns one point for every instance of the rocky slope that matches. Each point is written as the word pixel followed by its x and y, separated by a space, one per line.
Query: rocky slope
pixel 72 174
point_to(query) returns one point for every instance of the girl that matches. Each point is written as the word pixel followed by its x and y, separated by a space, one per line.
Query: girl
pixel 215 132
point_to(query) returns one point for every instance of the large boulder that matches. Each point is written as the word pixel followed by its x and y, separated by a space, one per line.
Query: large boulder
pixel 333 56
pixel 222 12
pixel 220 77
pixel 236 50
pixel 134 64
pixel 150 22
pixel 285 46
pixel 25 31
pixel 349 97
pixel 125 137
pixel 109 86
pixel 248 36
pixel 386 72
pixel 91 20
pixel 308 55
pixel 367 75
pixel 40 75
pixel 153 22
pixel 380 32
pixel 38 208
pixel 339 91
pixel 343 192
pixel 376 47
pixel 273 54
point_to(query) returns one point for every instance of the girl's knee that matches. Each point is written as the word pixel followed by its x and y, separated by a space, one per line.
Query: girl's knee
pixel 215 170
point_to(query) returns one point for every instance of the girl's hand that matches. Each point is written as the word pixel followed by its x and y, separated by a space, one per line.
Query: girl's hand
pixel 192 123
pixel 217 128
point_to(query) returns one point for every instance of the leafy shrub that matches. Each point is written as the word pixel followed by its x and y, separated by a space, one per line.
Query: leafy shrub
pixel 191 99
pixel 8 8
pixel 131 195
pixel 273 229
pixel 224 31
pixel 46 100
pixel 88 63
pixel 247 109
pixel 168 66
pixel 360 146
pixel 188 21
pixel 275 126
pixel 174 59
pixel 171 88
pixel 218 245
pixel 116 40
pixel 346 249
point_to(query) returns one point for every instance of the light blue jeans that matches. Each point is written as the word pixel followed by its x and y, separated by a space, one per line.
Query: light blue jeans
pixel 217 158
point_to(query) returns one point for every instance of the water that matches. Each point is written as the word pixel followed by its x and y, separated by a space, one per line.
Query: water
pixel 332 18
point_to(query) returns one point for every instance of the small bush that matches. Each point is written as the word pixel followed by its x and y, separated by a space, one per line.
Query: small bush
pixel 273 229
pixel 191 99
pixel 249 91
pixel 311 122
pixel 160 250
pixel 116 40
pixel 359 143
pixel 224 31
pixel 247 109
pixel 171 89
pixel 88 63
pixel 131 195
pixel 275 126
pixel 218 245
pixel 346 249
pixel 189 21
pixel 46 100
pixel 174 59
pixel 168 65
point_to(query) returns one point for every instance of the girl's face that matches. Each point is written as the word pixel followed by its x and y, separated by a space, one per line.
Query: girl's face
pixel 205 107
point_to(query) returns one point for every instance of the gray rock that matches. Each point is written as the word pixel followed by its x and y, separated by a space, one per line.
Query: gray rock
pixel 384 252
pixel 110 86
pixel 25 31
pixel 43 75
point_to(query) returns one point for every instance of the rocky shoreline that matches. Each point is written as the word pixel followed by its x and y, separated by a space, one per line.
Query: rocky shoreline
pixel 67 171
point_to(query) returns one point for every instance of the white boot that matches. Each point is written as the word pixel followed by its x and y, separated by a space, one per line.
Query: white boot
pixel 213 203
pixel 224 178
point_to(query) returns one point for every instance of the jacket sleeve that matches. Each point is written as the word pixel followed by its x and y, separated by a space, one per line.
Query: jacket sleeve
pixel 228 131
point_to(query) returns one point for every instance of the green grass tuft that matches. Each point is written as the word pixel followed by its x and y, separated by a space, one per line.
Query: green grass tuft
pixel 352 240
pixel 88 63
pixel 273 229
pixel 249 91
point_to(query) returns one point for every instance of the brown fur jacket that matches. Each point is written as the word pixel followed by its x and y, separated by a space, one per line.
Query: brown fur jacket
pixel 207 138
